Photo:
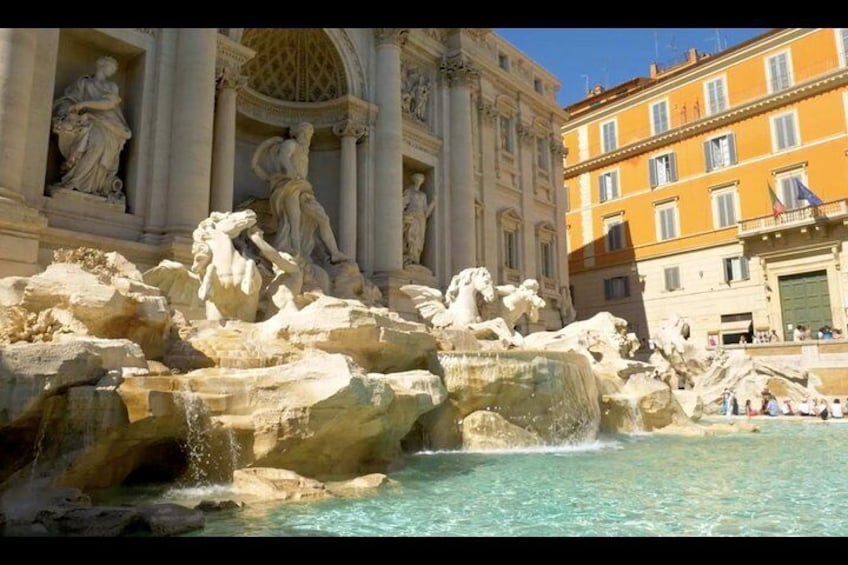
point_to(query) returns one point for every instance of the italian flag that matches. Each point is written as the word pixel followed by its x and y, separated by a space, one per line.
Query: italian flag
pixel 777 207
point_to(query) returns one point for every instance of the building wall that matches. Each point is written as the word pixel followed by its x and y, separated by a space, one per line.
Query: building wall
pixel 701 244
pixel 154 88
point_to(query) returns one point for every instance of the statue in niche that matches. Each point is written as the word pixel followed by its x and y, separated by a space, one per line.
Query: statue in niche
pixel 92 132
pixel 284 163
pixel 415 214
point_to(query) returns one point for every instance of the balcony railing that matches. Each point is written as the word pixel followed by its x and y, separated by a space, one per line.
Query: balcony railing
pixel 798 217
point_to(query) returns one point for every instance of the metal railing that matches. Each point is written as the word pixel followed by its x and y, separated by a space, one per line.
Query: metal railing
pixel 795 217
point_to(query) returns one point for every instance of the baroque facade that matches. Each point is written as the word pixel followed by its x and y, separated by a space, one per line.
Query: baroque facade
pixel 687 191
pixel 460 115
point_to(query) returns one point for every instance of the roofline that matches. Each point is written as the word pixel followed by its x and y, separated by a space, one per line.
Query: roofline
pixel 681 73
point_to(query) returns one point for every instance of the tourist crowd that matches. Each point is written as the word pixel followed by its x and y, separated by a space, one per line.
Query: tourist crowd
pixel 769 406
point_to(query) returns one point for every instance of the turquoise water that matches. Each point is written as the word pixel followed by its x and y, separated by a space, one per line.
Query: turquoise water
pixel 788 480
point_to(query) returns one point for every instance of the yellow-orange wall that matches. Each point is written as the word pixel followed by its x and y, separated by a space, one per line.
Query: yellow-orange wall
pixel 822 128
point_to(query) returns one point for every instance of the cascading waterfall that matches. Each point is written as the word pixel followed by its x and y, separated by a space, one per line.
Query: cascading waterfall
pixel 543 392
pixel 635 414
pixel 197 435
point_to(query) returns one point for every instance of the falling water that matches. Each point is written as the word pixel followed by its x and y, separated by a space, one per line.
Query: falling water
pixel 197 432
pixel 635 414
pixel 39 438
pixel 235 449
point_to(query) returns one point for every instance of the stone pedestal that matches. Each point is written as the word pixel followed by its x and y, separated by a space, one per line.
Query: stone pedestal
pixel 20 229
pixel 390 283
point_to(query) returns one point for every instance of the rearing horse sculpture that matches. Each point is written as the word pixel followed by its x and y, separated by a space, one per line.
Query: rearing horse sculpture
pixel 458 307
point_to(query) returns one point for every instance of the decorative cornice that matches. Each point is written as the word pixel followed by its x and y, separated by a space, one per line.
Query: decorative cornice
pixel 393 35
pixel 151 31
pixel 458 70
pixel 733 115
pixel 230 53
pixel 320 114
pixel 525 131
pixel 557 147
pixel 227 76
pixel 350 128
pixel 418 137
pixel 487 110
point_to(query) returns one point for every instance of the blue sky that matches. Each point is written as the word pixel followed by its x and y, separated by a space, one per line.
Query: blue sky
pixel 609 56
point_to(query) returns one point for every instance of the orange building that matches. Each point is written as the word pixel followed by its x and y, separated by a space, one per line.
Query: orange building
pixel 686 191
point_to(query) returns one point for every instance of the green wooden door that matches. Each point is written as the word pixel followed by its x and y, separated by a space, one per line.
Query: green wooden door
pixel 804 299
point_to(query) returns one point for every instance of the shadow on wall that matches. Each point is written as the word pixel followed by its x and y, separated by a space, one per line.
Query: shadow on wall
pixel 605 278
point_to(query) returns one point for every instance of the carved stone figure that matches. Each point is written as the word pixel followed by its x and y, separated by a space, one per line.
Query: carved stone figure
pixel 515 302
pixel 229 253
pixel 284 163
pixel 459 309
pixel 415 94
pixel 415 214
pixel 420 94
pixel 92 132
pixel 458 306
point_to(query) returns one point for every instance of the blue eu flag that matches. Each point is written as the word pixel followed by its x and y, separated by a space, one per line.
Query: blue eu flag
pixel 805 193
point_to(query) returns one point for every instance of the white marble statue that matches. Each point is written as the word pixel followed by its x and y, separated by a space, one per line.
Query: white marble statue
pixel 92 132
pixel 226 271
pixel 284 163
pixel 458 308
pixel 415 214
pixel 515 302
pixel 420 95
pixel 415 94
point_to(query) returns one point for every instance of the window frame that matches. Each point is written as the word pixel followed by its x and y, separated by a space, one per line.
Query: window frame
pixel 672 173
pixel 790 203
pixel 725 95
pixel 796 130
pixel 733 157
pixel 788 52
pixel 666 270
pixel 613 173
pixel 841 45
pixel 727 268
pixel 509 146
pixel 615 220
pixel 601 126
pixel 659 208
pixel 608 287
pixel 651 107
pixel 715 195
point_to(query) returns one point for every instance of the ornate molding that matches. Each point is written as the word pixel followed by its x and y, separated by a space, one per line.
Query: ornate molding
pixel 525 131
pixel 733 115
pixel 458 70
pixel 350 128
pixel 557 147
pixel 394 35
pixel 320 114
pixel 437 33
pixel 230 53
pixel 419 138
pixel 227 76
pixel 151 31
pixel 487 110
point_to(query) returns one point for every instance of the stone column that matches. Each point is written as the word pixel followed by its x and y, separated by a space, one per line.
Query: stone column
pixel 20 225
pixel 349 131
pixel 191 130
pixel 229 80
pixel 460 73
pixel 388 166
pixel 17 65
